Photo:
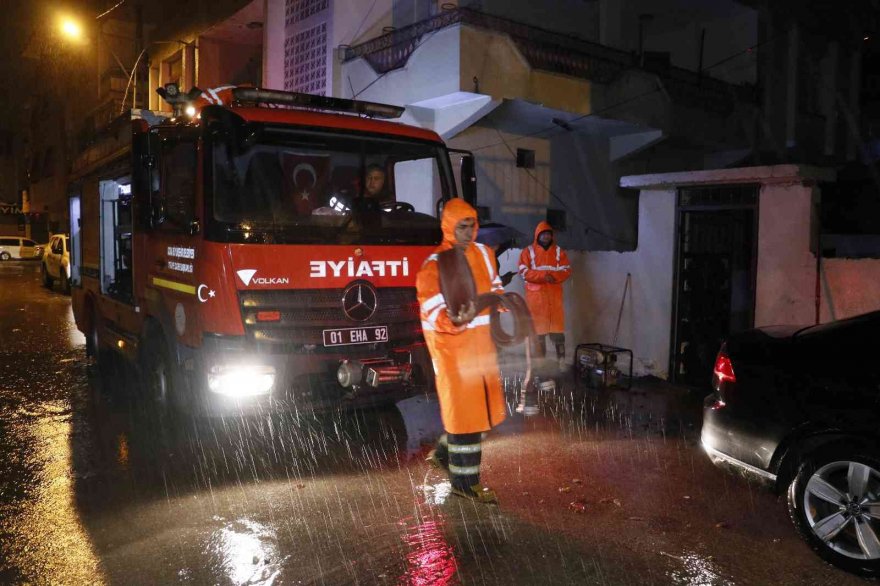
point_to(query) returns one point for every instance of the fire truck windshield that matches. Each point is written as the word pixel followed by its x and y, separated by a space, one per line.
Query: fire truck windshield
pixel 294 186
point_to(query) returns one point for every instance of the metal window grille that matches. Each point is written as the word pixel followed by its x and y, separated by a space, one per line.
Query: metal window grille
pixel 298 10
pixel 305 61
pixel 718 195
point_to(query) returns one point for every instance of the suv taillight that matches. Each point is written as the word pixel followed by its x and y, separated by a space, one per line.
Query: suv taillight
pixel 724 368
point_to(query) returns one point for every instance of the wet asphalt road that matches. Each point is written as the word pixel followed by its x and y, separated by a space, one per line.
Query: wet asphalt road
pixel 595 490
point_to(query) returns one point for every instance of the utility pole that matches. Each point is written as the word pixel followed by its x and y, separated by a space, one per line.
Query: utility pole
pixel 138 48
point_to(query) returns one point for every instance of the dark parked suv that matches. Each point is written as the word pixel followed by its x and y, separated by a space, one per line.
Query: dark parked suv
pixel 800 407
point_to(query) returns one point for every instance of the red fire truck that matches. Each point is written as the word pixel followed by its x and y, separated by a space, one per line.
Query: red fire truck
pixel 261 254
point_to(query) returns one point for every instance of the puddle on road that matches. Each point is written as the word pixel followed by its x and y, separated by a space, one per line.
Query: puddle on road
pixel 247 552
pixel 47 533
pixel 436 494
pixel 695 570
pixel 430 559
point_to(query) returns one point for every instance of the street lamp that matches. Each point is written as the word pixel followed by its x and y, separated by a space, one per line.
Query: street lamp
pixel 71 29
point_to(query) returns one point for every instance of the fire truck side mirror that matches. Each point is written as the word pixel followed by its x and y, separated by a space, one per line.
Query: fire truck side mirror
pixel 468 176
pixel 469 180
pixel 157 214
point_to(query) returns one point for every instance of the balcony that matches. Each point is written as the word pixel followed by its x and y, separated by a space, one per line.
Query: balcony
pixel 555 53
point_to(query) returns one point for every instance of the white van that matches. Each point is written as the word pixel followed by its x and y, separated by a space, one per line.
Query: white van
pixel 15 247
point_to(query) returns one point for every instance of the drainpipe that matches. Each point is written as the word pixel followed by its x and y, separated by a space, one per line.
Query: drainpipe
pixel 702 49
pixel 818 294
pixel 791 96
pixel 138 47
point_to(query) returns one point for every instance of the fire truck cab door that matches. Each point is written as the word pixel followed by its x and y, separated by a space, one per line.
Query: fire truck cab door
pixel 171 250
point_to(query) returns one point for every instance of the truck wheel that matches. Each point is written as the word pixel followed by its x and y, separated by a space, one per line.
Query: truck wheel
pixel 65 282
pixel 5 256
pixel 106 363
pixel 47 280
pixel 92 341
pixel 160 377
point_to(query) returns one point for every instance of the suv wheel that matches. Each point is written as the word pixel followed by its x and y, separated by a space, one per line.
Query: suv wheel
pixel 5 255
pixel 834 502
pixel 47 280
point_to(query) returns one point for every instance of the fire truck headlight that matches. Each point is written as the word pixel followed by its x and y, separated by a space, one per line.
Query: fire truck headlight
pixel 190 110
pixel 241 380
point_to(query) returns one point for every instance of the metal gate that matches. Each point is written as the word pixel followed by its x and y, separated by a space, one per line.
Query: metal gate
pixel 716 255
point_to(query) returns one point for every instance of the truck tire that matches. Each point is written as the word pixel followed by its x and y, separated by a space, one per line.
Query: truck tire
pixel 106 362
pixel 47 280
pixel 160 378
pixel 92 340
pixel 65 282
pixel 5 256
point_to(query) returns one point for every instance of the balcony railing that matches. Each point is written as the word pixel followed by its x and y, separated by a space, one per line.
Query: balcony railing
pixel 552 51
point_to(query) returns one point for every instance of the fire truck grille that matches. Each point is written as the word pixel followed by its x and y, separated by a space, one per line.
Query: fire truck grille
pixel 302 316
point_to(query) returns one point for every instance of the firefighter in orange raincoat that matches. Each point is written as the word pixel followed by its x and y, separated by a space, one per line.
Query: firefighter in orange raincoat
pixel 463 353
pixel 544 267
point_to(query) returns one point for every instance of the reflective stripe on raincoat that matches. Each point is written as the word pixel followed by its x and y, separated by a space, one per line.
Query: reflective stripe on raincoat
pixel 465 363
pixel 545 299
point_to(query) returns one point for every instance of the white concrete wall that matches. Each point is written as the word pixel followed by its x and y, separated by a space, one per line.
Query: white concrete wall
pixel 594 292
pixel 849 287
pixel 786 280
pixel 356 21
pixel 273 44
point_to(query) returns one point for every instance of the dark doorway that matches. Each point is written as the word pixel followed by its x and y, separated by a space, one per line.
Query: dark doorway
pixel 714 275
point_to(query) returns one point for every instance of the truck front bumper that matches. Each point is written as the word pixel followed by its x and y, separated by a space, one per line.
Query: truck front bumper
pixel 229 376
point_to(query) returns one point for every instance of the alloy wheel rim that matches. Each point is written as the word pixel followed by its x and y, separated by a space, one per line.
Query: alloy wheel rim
pixel 842 506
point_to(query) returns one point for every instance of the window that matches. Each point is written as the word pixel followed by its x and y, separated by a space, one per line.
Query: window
pixel 178 182
pixel 525 158
pixel 8 241
pixel 57 246
pixel 317 187
pixel 28 242
pixel 556 218
pixel 175 69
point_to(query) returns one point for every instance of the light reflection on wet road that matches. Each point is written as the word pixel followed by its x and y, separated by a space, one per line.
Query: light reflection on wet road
pixel 593 492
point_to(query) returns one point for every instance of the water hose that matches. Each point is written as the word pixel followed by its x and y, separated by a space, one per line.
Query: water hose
pixel 459 290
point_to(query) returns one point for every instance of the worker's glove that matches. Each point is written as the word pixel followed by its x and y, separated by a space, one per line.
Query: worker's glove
pixel 465 314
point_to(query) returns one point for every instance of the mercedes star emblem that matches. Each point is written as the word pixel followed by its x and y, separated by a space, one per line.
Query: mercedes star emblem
pixel 359 301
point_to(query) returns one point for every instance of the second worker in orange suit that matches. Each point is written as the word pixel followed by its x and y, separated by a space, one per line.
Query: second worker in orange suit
pixel 544 267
